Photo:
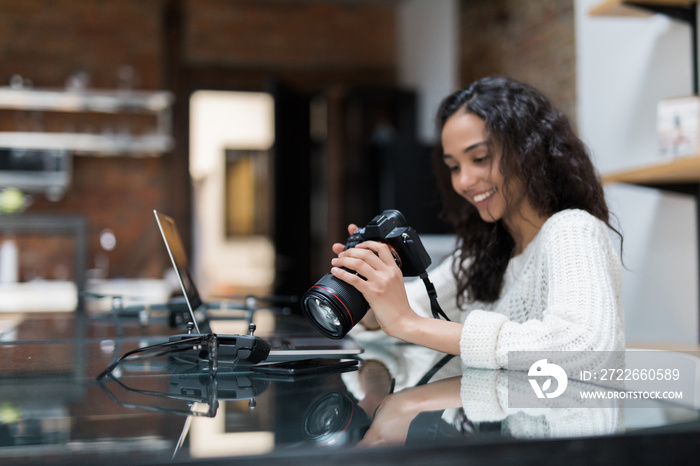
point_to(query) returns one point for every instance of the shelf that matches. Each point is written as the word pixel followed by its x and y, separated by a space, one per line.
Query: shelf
pixel 636 8
pixel 680 175
pixel 102 101
pixel 680 170
pixel 152 144
pixel 156 103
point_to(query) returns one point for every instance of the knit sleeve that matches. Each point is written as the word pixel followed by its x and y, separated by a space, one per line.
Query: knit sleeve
pixel 577 279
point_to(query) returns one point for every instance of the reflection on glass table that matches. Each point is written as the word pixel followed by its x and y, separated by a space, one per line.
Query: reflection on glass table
pixel 241 405
pixel 401 403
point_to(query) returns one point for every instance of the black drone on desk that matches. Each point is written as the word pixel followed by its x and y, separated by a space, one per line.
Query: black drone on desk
pixel 224 348
pixel 199 347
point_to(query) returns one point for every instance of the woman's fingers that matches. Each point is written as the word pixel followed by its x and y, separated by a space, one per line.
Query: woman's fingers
pixel 372 270
pixel 382 250
pixel 350 278
pixel 368 256
pixel 340 247
pixel 355 267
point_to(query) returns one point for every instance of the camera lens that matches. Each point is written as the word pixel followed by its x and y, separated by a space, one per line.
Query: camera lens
pixel 327 416
pixel 333 306
pixel 334 420
pixel 324 315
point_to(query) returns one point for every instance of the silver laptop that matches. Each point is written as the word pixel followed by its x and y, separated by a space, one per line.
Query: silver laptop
pixel 284 347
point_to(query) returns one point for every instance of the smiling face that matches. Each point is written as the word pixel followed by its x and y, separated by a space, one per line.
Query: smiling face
pixel 474 167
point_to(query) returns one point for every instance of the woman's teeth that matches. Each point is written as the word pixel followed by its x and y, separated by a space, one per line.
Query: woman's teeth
pixel 484 196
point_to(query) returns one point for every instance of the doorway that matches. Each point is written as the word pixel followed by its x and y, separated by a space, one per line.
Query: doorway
pixel 231 166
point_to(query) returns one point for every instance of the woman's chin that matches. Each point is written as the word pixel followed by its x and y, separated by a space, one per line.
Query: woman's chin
pixel 487 217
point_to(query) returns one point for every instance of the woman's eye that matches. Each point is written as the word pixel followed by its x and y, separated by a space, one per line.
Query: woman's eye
pixel 453 169
pixel 481 158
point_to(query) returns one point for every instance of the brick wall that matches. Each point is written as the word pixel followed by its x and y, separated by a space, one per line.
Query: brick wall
pixel 291 33
pixel 46 41
pixel 533 41
pixel 240 43
pixel 215 41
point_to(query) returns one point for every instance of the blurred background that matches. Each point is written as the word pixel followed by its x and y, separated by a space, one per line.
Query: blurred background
pixel 264 127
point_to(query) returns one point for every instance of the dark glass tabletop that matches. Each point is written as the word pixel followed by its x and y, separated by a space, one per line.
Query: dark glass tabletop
pixel 399 404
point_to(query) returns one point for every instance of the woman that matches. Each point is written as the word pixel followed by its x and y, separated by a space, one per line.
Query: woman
pixel 535 268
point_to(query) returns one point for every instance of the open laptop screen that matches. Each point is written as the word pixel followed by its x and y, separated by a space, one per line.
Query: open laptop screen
pixel 291 347
pixel 177 255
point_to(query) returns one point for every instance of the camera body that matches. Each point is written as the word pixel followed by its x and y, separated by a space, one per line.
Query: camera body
pixel 405 244
pixel 332 305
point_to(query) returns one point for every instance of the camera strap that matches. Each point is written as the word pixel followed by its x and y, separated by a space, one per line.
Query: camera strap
pixel 434 305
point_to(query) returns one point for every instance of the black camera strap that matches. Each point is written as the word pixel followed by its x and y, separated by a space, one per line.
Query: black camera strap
pixel 434 305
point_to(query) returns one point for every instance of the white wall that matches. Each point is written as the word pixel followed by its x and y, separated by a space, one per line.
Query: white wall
pixel 429 55
pixel 429 63
pixel 624 67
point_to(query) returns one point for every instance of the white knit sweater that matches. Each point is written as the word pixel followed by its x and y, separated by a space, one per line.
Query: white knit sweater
pixel 563 293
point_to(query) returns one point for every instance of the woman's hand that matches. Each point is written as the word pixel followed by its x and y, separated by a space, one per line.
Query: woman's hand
pixel 369 321
pixel 396 411
pixel 376 383
pixel 391 422
pixel 339 247
pixel 382 286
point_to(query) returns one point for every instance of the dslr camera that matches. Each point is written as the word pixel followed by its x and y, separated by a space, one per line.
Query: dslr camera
pixel 333 306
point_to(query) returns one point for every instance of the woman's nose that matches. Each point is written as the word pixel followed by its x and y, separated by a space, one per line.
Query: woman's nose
pixel 465 179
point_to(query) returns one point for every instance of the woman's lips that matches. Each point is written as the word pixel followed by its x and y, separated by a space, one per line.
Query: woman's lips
pixel 483 196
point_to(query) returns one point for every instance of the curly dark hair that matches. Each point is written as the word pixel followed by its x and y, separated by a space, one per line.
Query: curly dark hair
pixel 539 149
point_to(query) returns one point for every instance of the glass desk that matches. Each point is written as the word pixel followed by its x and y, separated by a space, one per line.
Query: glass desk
pixel 401 405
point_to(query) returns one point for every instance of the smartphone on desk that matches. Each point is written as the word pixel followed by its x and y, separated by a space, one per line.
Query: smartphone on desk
pixel 306 366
